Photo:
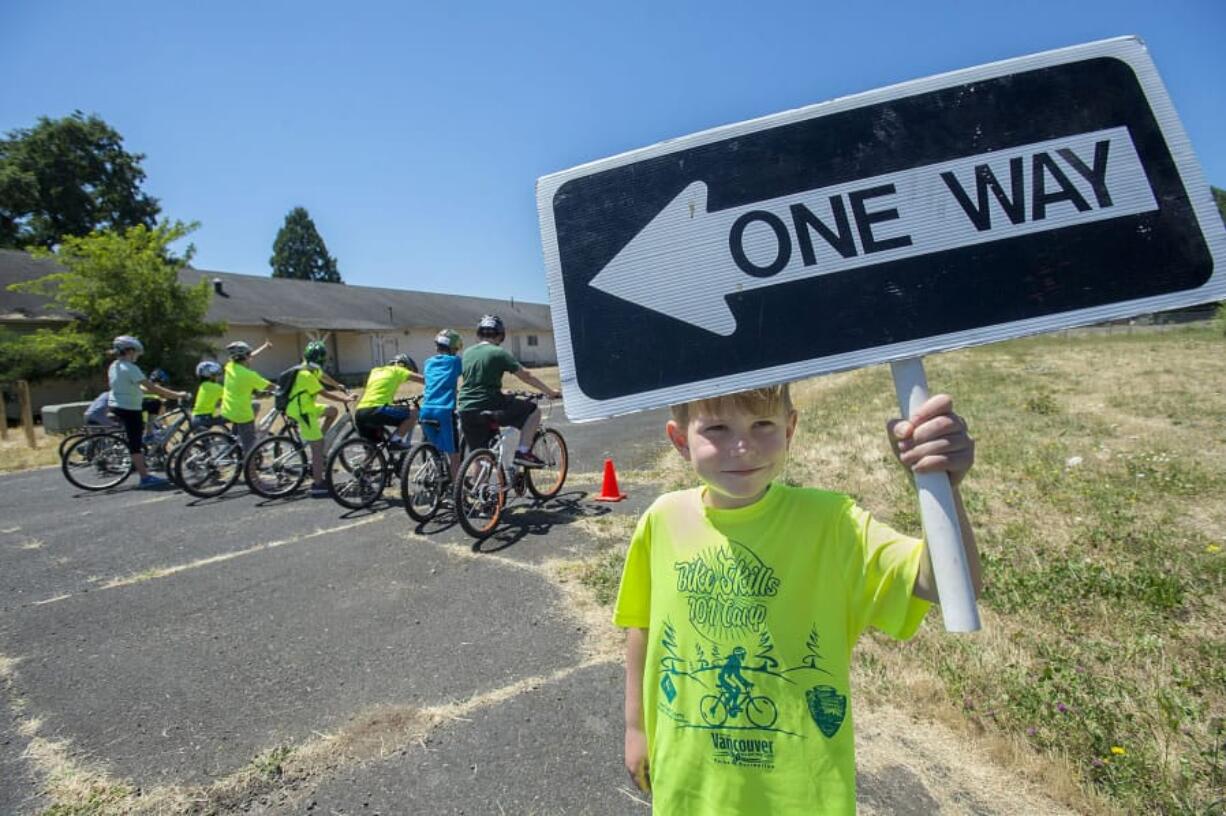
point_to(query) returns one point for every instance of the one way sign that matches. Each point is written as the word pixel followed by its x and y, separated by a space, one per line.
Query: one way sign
pixel 1025 196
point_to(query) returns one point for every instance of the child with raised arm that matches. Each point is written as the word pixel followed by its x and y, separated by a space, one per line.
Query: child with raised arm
pixel 742 600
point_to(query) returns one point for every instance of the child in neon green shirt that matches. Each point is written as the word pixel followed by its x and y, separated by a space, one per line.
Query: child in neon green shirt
pixel 206 411
pixel 314 418
pixel 743 599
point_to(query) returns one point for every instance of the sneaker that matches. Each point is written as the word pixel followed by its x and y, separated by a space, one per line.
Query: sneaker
pixel 151 482
pixel 528 459
pixel 318 491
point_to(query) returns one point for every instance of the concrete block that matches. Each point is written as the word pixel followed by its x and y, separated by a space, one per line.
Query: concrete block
pixel 65 417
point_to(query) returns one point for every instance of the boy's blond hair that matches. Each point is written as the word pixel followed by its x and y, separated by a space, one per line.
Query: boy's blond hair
pixel 758 400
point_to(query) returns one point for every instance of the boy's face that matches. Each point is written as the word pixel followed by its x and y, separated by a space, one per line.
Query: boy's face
pixel 736 453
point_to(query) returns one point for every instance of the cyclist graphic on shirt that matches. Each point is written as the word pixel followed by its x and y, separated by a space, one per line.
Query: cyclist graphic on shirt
pixel 732 670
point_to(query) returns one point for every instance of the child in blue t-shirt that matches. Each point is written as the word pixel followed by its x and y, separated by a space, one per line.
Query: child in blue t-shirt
pixel 442 373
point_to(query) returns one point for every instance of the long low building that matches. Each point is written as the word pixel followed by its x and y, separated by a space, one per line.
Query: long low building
pixel 363 326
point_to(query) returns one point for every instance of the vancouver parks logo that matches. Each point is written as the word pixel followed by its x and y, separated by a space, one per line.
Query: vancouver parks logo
pixel 724 587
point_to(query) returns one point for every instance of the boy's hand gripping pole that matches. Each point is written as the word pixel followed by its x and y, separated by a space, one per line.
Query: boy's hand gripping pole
pixel 939 515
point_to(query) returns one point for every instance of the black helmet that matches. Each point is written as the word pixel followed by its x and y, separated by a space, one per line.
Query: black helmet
pixel 405 361
pixel 490 326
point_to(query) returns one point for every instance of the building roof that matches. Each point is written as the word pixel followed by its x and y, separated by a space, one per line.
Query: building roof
pixel 250 300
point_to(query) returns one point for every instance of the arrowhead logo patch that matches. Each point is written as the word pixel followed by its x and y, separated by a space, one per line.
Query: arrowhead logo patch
pixel 827 708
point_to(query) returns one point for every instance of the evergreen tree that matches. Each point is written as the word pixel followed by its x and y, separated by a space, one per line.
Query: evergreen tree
pixel 299 251
pixel 1219 197
pixel 69 176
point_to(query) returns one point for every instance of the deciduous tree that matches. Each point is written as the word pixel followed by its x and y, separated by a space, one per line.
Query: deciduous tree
pixel 115 283
pixel 69 176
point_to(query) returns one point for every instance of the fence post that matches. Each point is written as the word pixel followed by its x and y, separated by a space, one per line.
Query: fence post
pixel 27 413
pixel 4 416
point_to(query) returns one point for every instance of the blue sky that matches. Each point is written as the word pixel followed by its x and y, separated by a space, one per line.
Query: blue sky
pixel 414 133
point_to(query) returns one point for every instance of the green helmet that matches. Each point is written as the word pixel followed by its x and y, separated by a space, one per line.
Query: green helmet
pixel 315 352
pixel 449 339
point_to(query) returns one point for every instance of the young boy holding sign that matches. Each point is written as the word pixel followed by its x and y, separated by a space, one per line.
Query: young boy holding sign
pixel 742 600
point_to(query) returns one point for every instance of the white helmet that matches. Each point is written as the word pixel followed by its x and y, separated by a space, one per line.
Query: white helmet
pixel 208 368
pixel 238 350
pixel 126 342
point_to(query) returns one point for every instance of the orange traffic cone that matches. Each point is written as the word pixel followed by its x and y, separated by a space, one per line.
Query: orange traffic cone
pixel 609 491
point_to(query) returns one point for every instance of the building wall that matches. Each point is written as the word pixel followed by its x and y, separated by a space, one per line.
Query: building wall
pixel 542 354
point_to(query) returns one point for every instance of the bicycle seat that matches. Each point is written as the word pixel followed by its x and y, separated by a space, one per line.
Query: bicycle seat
pixel 430 423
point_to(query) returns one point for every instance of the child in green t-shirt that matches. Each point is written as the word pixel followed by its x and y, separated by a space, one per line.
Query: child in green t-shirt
pixel 241 384
pixel 742 600
pixel 313 417
pixel 206 410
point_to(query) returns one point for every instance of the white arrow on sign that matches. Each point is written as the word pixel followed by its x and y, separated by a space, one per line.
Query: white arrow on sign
pixel 687 260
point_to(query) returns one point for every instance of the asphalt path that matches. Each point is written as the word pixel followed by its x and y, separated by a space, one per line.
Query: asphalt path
pixel 170 641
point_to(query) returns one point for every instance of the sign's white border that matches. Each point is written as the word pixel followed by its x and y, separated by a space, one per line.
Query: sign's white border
pixel 1131 50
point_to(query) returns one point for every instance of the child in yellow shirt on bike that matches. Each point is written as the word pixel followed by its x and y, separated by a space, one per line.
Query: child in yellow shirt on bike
pixel 314 418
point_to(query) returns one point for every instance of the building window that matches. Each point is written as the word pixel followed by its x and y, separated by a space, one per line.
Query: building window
pixel 532 339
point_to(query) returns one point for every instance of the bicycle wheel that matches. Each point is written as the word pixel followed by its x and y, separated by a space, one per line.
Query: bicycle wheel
pixel 68 440
pixel 713 709
pixel 423 481
pixel 179 431
pixel 209 464
pixel 339 434
pixel 97 461
pixel 276 467
pixel 480 493
pixel 173 462
pixel 762 711
pixel 357 473
pixel 550 448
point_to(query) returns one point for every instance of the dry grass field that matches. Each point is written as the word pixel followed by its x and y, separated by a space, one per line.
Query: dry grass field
pixel 1099 500
pixel 16 454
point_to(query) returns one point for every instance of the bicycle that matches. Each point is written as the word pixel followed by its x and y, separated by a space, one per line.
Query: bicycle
pixel 100 460
pixel 113 427
pixel 87 430
pixel 425 478
pixel 174 462
pixel 209 463
pixel 278 465
pixel 760 711
pixel 360 468
pixel 488 475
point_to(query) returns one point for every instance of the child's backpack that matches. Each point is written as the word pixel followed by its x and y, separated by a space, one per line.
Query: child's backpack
pixel 285 384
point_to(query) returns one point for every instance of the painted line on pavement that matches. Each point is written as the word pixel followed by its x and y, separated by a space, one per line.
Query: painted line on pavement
pixel 163 572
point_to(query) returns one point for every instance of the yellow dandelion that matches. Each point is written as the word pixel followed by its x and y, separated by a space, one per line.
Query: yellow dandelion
pixel 1117 750
pixel 1213 548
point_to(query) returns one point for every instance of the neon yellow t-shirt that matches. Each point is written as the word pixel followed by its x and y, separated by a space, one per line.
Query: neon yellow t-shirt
pixel 239 385
pixel 751 617
pixel 208 399
pixel 302 395
pixel 381 385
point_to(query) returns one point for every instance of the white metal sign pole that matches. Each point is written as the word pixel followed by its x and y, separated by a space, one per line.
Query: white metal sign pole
pixel 939 515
